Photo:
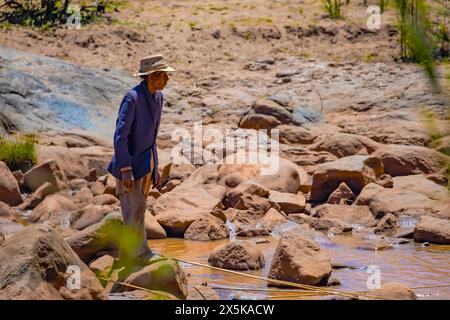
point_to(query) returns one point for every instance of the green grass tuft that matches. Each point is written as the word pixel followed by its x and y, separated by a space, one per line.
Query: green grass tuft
pixel 18 152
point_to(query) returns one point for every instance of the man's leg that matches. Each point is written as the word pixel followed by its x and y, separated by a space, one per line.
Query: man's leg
pixel 133 207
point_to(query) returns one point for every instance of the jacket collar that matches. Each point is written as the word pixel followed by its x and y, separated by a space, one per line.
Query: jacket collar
pixel 150 98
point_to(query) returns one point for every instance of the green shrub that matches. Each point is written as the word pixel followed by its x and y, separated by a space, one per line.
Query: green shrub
pixel 333 8
pixel 18 152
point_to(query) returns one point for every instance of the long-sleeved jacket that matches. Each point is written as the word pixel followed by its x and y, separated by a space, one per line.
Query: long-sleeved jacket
pixel 137 127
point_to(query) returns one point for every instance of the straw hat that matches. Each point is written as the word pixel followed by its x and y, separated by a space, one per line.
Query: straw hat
pixel 152 64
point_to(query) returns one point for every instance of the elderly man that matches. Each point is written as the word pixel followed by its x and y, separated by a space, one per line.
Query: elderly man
pixel 135 160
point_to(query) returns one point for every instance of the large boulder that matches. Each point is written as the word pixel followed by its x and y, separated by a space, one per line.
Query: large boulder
pixel 299 260
pixel 393 291
pixel 90 215
pixel 237 255
pixel 432 230
pixel 359 215
pixel 265 114
pixel 102 267
pixel 272 218
pixel 164 275
pixel 402 160
pixel 9 188
pixel 103 235
pixel 35 265
pixel 53 209
pixel 234 197
pixel 288 202
pixel 177 209
pixel 410 195
pixel 344 145
pixel 46 172
pixel 296 135
pixel 207 228
pixel 152 228
pixel 356 171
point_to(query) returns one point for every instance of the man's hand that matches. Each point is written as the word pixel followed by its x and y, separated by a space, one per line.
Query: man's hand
pixel 128 180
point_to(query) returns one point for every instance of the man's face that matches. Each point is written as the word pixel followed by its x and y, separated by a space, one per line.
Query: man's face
pixel 160 80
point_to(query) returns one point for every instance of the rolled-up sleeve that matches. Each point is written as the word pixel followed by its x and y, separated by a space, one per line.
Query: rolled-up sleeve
pixel 123 126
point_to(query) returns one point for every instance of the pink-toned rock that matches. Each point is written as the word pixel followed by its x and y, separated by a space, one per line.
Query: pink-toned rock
pixel 299 260
pixel 49 171
pixel 104 199
pixel 9 188
pixel 83 197
pixel 177 209
pixel 90 215
pixel 288 202
pixel 152 228
pixel 393 291
pixel 296 134
pixel 237 255
pixel 402 160
pixel 5 210
pixel 342 195
pixel 52 208
pixel 234 197
pixel 359 215
pixel 356 171
pixel 164 275
pixel 432 230
pixel 272 218
pixel 34 265
pixel 344 145
pixel 207 228
pixel 39 195
pixel 102 267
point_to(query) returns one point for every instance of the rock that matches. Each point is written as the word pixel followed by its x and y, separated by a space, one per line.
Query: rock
pixel 356 171
pixel 258 121
pixel 97 188
pixel 9 188
pixel 18 174
pixel 253 232
pixel 255 204
pixel 385 180
pixel 359 215
pixel 104 199
pixel 83 197
pixel 389 221
pixel 333 282
pixel 432 230
pixel 100 236
pixel 110 185
pixel 344 145
pixel 177 209
pixel 393 291
pixel 5 210
pixel 272 218
pixel 49 171
pixel 243 219
pixel 295 134
pixel 271 108
pixel 411 196
pixel 237 255
pixel 34 265
pixel 176 172
pixel 207 228
pixel 288 178
pixel 90 215
pixel 77 184
pixel 304 115
pixel 202 293
pixel 53 208
pixel 288 202
pixel 152 228
pixel 39 195
pixel 342 195
pixel 170 185
pixel 234 197
pixel 401 160
pixel 299 260
pixel 335 226
pixel 375 245
pixel 102 267
pixel 164 275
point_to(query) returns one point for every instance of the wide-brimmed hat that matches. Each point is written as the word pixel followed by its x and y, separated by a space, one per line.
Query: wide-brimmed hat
pixel 152 64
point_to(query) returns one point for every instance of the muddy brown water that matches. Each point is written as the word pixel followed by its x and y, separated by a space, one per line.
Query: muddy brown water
pixel 411 264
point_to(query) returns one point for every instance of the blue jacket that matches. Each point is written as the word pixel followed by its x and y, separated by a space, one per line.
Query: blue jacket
pixel 137 126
